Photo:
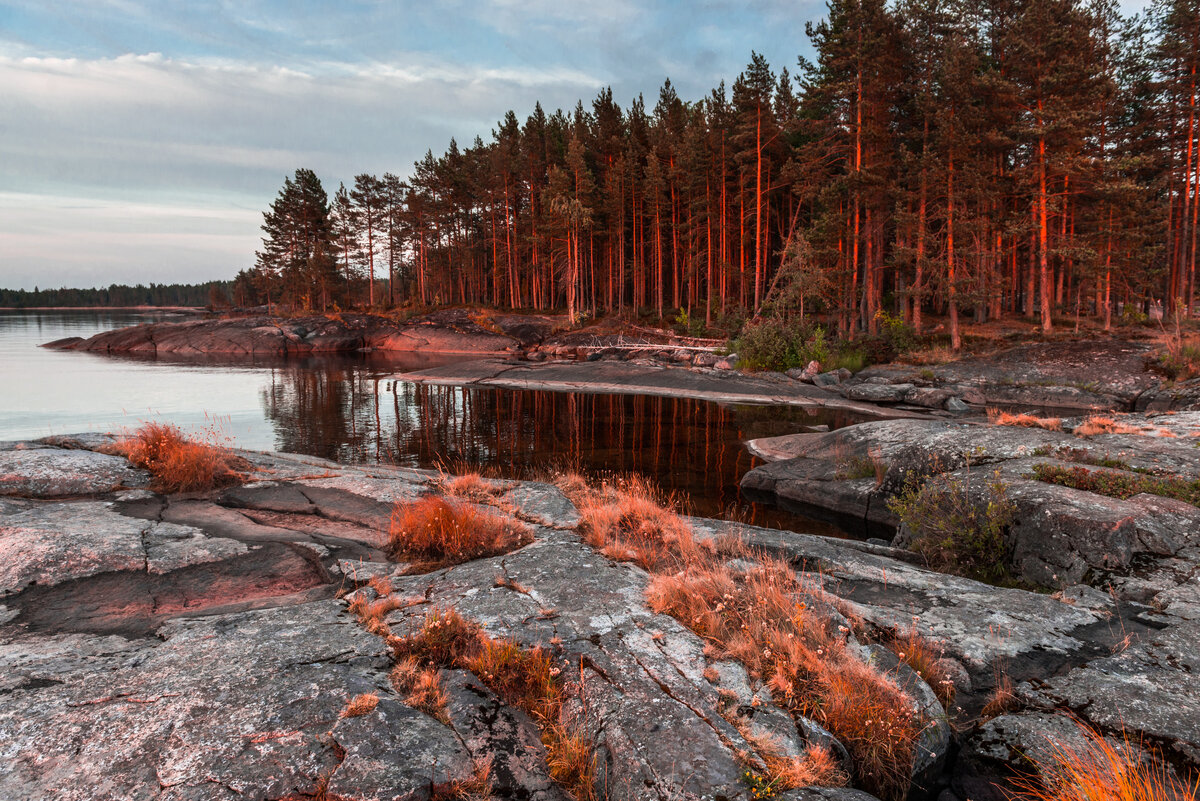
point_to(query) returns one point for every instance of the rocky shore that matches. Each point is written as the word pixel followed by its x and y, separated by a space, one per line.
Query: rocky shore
pixel 541 352
pixel 203 646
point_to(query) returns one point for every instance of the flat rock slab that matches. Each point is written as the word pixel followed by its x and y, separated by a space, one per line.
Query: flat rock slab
pixel 52 543
pixel 38 472
pixel 232 707
pixel 1152 687
pixel 641 379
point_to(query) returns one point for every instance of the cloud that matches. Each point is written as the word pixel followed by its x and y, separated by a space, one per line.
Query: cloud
pixel 138 126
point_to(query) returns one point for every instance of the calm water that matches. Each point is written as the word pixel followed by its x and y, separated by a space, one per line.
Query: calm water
pixel 350 409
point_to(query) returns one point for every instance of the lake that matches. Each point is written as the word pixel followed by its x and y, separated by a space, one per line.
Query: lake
pixel 353 410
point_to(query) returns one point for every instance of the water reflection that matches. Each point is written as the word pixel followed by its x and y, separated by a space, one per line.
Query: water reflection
pixel 350 408
pixel 694 447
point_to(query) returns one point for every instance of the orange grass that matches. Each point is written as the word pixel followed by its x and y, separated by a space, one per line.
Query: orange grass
pixel 360 705
pixel 1003 699
pixel 471 486
pixel 926 659
pixel 1098 424
pixel 1101 771
pixel 817 766
pixel 997 417
pixel 524 678
pixel 421 686
pixel 179 464
pixel 781 631
pixel 476 788
pixel 629 521
pixel 439 532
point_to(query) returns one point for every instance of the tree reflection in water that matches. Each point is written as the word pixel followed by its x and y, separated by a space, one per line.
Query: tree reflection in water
pixel 354 413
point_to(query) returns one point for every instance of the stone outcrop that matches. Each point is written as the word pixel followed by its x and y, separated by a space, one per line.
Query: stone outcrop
pixel 197 647
pixel 1059 534
pixel 447 331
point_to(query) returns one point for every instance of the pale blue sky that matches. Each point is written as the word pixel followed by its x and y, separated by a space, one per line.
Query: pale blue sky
pixel 139 141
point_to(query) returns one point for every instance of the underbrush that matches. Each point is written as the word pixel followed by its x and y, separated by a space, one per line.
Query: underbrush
pixel 180 464
pixel 771 344
pixel 1118 485
pixel 955 532
pixel 525 678
pixel 1103 771
pixel 781 629
pixel 436 532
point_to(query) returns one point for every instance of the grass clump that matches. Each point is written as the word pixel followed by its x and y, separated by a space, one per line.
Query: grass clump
pixel 627 520
pixel 525 678
pixel 1000 418
pixel 1102 771
pixel 478 787
pixel 955 532
pixel 781 631
pixel 1101 424
pixel 179 464
pixel 360 705
pixel 926 659
pixel 437 532
pixel 1118 485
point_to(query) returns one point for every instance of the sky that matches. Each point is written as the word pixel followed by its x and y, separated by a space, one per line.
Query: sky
pixel 140 141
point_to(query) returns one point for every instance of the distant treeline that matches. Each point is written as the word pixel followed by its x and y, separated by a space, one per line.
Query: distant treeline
pixel 211 293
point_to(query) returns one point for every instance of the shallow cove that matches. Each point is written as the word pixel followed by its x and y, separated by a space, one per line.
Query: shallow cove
pixel 349 408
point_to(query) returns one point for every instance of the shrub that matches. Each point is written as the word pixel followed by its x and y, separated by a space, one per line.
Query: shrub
pixel 179 464
pixel 955 532
pixel 440 532
pixel 1101 771
pixel 897 333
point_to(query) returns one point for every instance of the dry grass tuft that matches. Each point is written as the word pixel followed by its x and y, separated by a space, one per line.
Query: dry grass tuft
pixel 926 659
pixel 476 788
pixel 1099 424
pixel 997 417
pixel 520 677
pixel 371 614
pixel 470 486
pixel 524 678
pixel 629 521
pixel 1002 700
pixel 421 686
pixel 1101 771
pixel 360 705
pixel 438 532
pixel 817 766
pixel 179 464
pixel 572 761
pixel 445 639
pixel 780 630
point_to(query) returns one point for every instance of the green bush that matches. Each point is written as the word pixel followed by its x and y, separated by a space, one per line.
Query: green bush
pixel 956 530
pixel 898 334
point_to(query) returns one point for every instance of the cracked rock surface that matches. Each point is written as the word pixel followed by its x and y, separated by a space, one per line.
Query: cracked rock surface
pixel 196 647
